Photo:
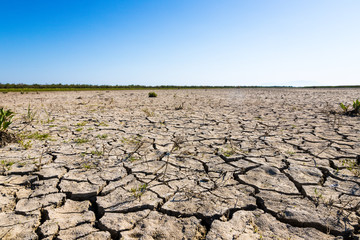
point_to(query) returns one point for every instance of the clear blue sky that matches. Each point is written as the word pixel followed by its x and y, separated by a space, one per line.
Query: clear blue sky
pixel 180 42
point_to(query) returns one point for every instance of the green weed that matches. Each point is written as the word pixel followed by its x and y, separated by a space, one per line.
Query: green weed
pixel 81 140
pixel 25 144
pixel 355 108
pixel 139 191
pixel 81 124
pixel 103 136
pixel 87 166
pixel 30 114
pixel 97 153
pixel 5 119
pixel 352 166
pixel 6 164
pixel 37 136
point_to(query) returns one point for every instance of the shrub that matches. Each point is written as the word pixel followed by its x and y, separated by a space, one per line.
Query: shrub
pixel 152 94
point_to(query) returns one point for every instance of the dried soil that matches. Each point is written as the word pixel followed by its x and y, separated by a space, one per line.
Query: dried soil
pixel 188 164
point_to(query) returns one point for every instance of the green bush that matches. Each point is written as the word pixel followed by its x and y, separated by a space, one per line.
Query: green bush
pixel 152 94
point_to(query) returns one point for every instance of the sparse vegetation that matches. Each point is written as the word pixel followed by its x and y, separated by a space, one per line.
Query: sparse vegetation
pixel 152 94
pixel 78 129
pixel 102 136
pixel 5 119
pixel 87 166
pixel 30 114
pixel 6 165
pixel 25 144
pixel 355 108
pixel 139 191
pixel 81 124
pixel 352 166
pixel 37 136
pixel 81 140
pixel 133 159
pixel 97 153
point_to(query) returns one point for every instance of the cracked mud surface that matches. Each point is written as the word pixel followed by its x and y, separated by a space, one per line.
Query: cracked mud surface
pixel 189 164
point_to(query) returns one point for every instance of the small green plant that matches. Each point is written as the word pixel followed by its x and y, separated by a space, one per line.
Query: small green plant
pixel 356 106
pixel 318 196
pixel 344 107
pixel 131 140
pixel 228 151
pixel 97 153
pixel 354 111
pixel 37 136
pixel 103 136
pixel 25 144
pixel 352 166
pixel 81 140
pixel 133 159
pixel 30 115
pixel 6 165
pixel 139 191
pixel 87 166
pixel 79 129
pixel 81 124
pixel 152 94
pixel 5 119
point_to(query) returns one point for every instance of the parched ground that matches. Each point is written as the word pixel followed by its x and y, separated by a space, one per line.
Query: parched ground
pixel 189 164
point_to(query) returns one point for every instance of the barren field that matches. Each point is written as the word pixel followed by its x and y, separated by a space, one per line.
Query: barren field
pixel 188 164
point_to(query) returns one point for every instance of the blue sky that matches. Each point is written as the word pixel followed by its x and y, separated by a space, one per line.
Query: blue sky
pixel 180 42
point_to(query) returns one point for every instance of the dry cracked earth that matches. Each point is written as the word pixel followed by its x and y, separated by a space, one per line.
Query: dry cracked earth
pixel 188 164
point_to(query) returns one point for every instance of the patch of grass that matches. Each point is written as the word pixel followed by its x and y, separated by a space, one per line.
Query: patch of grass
pixel 81 124
pixel 6 165
pixel 131 140
pixel 133 159
pixel 228 151
pixel 139 191
pixel 97 153
pixel 352 166
pixel 88 166
pixel 25 144
pixel 79 129
pixel 30 114
pixel 37 136
pixel 81 140
pixel 102 136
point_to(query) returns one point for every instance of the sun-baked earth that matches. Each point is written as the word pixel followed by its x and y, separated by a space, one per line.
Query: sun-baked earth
pixel 188 164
